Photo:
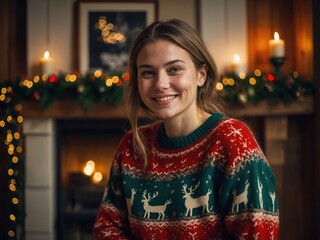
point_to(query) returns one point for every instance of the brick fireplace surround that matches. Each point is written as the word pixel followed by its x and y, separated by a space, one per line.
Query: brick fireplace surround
pixel 40 135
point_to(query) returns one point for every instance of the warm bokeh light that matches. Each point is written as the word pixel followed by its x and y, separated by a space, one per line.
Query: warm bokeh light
pixel 242 75
pixel 97 177
pixel 15 201
pixel 252 81
pixel 97 73
pixel 89 168
pixel 219 86
pixel 257 72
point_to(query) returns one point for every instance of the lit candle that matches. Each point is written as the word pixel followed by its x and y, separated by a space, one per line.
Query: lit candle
pixel 237 66
pixel 276 46
pixel 46 64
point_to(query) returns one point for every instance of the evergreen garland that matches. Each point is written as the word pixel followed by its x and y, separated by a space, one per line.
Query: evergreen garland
pixel 241 89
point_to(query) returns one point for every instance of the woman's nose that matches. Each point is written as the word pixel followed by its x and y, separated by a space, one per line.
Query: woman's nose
pixel 162 81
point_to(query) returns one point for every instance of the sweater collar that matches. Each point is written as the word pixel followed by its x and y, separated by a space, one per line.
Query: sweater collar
pixel 181 142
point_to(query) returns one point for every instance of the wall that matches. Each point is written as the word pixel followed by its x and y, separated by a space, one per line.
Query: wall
pixel 223 26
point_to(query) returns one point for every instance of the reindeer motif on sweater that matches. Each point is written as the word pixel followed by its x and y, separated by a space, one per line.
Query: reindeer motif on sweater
pixel 191 202
pixel 160 209
pixel 240 198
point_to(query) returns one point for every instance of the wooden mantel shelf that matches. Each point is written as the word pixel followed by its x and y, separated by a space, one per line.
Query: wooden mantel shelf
pixel 302 106
pixel 71 110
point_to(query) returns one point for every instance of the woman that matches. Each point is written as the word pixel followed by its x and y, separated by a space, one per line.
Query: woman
pixel 195 173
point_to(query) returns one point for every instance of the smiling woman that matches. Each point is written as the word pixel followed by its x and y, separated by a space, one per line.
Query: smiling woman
pixel 213 177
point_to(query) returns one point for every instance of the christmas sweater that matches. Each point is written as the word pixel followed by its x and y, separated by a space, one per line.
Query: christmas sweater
pixel 212 184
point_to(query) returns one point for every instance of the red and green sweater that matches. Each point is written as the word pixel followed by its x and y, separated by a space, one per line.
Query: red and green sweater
pixel 212 184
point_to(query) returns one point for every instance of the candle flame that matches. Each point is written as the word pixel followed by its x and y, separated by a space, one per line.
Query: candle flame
pixel 236 58
pixel 46 54
pixel 276 36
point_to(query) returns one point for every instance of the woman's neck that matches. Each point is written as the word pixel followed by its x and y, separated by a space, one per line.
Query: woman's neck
pixel 181 127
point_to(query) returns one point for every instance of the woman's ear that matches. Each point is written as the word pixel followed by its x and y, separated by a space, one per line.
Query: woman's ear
pixel 202 75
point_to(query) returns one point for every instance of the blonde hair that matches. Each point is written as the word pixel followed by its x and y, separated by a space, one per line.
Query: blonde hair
pixel 184 36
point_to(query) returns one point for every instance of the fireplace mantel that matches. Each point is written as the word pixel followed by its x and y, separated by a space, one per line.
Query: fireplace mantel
pixel 70 110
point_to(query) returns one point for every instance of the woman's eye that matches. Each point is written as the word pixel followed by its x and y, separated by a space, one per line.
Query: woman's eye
pixel 174 70
pixel 147 74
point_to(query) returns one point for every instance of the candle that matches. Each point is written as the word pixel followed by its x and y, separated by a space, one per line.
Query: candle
pixel 46 64
pixel 237 66
pixel 276 46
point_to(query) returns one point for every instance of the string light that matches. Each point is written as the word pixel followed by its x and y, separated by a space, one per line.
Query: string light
pixel 109 33
pixel 10 125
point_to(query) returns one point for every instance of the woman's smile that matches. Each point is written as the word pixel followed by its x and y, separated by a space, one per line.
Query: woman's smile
pixel 165 99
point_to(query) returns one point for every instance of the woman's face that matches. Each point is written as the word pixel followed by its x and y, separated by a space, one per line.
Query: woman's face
pixel 168 80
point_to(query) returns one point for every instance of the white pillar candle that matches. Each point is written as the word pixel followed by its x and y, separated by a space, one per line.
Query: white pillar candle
pixel 237 66
pixel 46 64
pixel 276 47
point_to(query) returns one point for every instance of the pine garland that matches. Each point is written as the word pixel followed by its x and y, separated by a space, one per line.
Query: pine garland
pixel 91 89
pixel 256 87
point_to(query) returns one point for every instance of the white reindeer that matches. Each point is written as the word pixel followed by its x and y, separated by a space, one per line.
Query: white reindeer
pixel 273 198
pixel 241 198
pixel 260 186
pixel 130 200
pixel 191 203
pixel 160 209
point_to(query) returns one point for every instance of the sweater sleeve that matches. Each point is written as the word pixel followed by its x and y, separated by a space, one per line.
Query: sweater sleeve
pixel 112 220
pixel 247 194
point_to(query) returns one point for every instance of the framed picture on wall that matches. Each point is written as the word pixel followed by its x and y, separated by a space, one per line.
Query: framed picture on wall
pixel 107 30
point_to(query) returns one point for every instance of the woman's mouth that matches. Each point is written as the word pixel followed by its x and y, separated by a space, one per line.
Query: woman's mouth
pixel 164 99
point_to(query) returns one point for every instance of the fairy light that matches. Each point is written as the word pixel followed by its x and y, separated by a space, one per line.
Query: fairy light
pixel 11 233
pixel 36 79
pixel 252 81
pixel 109 82
pixel 12 217
pixel 115 79
pixel 257 72
pixel 15 201
pixel 97 73
pixel 242 75
pixel 10 172
pixel 231 81
pixel 219 86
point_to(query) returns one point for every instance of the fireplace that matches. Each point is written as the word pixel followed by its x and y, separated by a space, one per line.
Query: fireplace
pixel 85 150
pixel 62 202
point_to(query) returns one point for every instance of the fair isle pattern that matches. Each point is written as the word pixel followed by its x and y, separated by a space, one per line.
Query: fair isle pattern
pixel 178 229
pixel 219 186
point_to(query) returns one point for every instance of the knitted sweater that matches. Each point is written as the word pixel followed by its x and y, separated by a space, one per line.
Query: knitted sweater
pixel 212 184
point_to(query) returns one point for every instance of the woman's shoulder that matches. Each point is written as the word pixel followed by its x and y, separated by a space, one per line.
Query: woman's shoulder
pixel 234 131
pixel 229 125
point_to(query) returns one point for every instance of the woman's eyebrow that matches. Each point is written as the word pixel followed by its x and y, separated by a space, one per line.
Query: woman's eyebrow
pixel 166 64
